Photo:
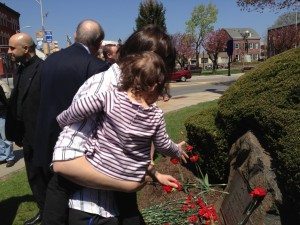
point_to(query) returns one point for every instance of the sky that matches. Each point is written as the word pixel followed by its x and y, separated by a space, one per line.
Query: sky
pixel 117 17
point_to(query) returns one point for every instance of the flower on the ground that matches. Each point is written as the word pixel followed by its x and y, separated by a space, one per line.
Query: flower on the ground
pixel 258 192
pixel 193 218
pixel 179 185
pixel 208 212
pixel 200 202
pixel 184 208
pixel 188 199
pixel 167 189
pixel 175 160
pixel 194 158
pixel 189 148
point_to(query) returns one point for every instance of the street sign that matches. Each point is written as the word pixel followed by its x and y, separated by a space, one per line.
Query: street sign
pixel 48 36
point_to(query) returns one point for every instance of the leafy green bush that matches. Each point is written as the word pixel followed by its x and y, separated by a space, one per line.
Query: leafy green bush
pixel 210 142
pixel 266 101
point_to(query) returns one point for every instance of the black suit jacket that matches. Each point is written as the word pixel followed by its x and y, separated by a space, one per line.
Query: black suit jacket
pixel 62 74
pixel 18 129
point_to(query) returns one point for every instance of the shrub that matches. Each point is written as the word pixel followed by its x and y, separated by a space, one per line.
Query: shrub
pixel 210 142
pixel 266 101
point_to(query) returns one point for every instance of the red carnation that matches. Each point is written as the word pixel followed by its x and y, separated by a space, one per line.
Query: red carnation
pixel 175 160
pixel 189 148
pixel 258 192
pixel 184 208
pixel 193 218
pixel 194 158
pixel 208 212
pixel 167 189
pixel 179 185
pixel 200 202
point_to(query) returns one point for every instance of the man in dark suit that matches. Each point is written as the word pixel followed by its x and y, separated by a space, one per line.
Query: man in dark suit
pixel 62 74
pixel 22 112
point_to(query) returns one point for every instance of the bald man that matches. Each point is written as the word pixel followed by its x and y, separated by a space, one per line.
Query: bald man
pixel 22 115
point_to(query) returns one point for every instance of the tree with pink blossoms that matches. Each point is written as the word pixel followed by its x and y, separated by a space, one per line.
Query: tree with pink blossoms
pixel 184 47
pixel 214 43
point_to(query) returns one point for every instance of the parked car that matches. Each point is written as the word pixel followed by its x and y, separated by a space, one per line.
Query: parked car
pixel 181 75
pixel 194 69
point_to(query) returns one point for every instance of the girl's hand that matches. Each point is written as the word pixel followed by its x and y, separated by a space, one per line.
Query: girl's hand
pixel 165 179
pixel 184 155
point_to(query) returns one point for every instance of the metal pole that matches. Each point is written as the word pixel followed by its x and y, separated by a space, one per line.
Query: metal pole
pixel 42 14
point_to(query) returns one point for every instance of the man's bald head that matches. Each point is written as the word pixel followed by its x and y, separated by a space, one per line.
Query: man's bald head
pixel 90 33
pixel 23 39
pixel 21 47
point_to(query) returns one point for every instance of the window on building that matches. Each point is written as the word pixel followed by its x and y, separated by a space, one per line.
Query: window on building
pixel 204 60
pixel 237 57
pixel 237 46
pixel 250 45
pixel 256 45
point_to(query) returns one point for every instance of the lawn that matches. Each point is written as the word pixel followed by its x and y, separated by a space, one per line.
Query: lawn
pixel 16 201
pixel 217 72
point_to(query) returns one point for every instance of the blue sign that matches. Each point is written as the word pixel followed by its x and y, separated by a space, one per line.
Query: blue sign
pixel 48 36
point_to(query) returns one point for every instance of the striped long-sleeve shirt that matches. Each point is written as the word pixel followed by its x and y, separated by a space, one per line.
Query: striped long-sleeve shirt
pixel 120 147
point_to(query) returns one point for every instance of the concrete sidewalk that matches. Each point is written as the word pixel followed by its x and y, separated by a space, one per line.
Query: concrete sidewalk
pixel 174 103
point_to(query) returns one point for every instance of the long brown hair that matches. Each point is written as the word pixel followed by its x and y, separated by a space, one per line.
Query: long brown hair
pixel 150 38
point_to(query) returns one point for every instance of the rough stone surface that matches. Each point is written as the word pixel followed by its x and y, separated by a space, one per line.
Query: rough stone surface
pixel 250 167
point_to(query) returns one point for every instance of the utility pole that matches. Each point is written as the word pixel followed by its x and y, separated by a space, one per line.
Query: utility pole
pixel 45 45
pixel 42 14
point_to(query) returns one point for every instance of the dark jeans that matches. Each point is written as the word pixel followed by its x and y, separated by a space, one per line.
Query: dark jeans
pixel 128 208
pixel 38 177
pixel 77 217
pixel 56 208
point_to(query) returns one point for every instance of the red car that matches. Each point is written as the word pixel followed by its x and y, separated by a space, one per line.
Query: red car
pixel 181 75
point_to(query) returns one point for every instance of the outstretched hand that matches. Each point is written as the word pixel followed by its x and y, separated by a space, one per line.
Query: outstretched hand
pixel 165 179
pixel 184 155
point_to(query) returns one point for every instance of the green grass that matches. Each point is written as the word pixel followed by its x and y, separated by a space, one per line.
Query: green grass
pixel 175 119
pixel 16 201
pixel 220 72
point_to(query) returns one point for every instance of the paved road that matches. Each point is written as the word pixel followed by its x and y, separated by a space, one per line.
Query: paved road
pixel 217 84
pixel 198 89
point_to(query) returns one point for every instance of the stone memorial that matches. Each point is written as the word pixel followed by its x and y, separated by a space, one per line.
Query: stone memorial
pixel 250 168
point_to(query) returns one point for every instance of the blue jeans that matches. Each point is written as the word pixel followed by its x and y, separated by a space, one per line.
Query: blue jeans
pixel 6 147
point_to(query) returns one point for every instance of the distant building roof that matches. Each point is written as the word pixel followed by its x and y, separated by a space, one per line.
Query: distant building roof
pixel 287 24
pixel 237 33
pixel 9 9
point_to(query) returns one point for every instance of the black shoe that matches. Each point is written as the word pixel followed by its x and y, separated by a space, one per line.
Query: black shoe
pixel 35 220
pixel 10 163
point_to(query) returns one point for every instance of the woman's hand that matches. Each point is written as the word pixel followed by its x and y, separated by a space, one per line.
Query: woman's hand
pixel 165 179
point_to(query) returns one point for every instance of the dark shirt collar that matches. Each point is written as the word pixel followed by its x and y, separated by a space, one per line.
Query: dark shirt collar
pixel 30 61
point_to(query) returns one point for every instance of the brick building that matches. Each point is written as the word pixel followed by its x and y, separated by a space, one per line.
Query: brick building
pixel 9 25
pixel 246 42
pixel 283 38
